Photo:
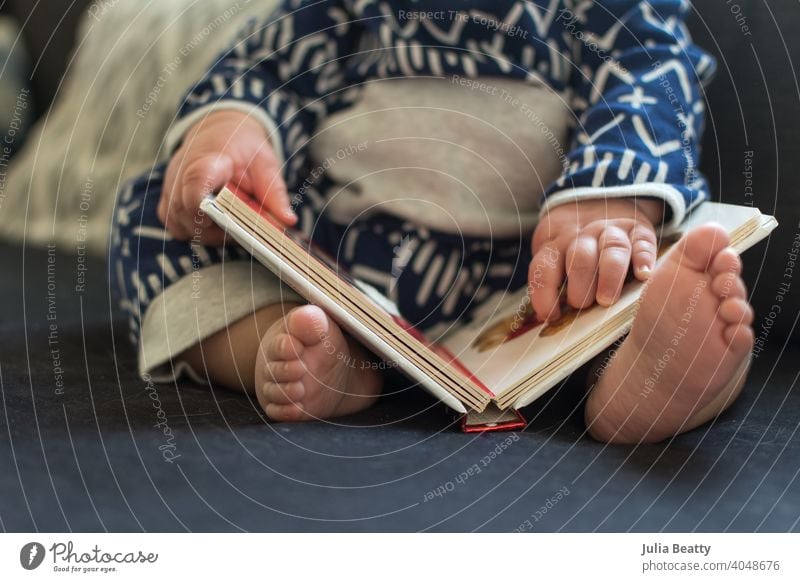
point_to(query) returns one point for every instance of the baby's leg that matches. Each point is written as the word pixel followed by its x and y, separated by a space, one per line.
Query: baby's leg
pixel 181 298
pixel 295 359
pixel 687 354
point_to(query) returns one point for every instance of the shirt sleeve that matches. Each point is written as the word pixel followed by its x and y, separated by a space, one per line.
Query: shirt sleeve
pixel 638 96
pixel 285 71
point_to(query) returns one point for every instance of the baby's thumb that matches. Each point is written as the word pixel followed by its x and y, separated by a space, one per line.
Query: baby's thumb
pixel 203 176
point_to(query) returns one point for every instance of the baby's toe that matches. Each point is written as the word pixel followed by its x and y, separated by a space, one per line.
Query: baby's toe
pixel 285 347
pixel 308 323
pixel 285 412
pixel 736 311
pixel 285 371
pixel 700 246
pixel 283 393
pixel 726 261
pixel 728 285
pixel 740 338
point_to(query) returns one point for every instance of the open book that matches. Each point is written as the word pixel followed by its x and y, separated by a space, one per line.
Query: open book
pixel 503 359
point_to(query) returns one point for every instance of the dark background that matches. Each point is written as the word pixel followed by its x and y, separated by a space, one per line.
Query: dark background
pixel 89 459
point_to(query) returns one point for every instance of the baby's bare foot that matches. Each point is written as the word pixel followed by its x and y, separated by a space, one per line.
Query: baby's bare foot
pixel 307 369
pixel 685 357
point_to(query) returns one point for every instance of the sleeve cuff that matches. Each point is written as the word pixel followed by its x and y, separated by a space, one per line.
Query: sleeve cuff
pixel 670 195
pixel 178 129
pixel 198 306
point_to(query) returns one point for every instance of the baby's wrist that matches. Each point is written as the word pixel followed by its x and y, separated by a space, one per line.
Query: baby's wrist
pixel 229 118
pixel 652 208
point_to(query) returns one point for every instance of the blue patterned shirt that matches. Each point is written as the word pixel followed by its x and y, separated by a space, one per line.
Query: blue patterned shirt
pixel 627 67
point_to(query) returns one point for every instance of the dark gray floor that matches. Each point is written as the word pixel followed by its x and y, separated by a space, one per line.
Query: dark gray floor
pixel 89 459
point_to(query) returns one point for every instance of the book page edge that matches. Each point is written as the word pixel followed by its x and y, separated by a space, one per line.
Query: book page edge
pixel 253 246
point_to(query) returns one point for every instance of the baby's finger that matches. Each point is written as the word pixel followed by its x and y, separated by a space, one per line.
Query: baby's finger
pixel 175 220
pixel 167 187
pixel 197 179
pixel 545 275
pixel 270 189
pixel 615 258
pixel 170 209
pixel 582 257
pixel 176 226
pixel 211 234
pixel 203 176
pixel 644 250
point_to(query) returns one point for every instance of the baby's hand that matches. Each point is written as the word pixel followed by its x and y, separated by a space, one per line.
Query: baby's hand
pixel 592 243
pixel 225 146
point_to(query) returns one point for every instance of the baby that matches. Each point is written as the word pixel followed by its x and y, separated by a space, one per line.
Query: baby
pixel 493 144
